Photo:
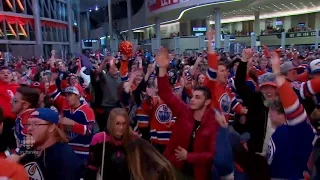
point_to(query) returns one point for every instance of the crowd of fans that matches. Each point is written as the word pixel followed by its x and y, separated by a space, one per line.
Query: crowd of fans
pixel 197 116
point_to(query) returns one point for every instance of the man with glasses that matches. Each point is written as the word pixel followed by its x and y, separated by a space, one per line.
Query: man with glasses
pixel 48 155
pixel 22 104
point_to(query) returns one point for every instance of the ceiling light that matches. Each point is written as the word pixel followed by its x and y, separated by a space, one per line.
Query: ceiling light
pixel 90 10
pixel 312 4
pixel 277 6
pixel 96 8
pixel 303 5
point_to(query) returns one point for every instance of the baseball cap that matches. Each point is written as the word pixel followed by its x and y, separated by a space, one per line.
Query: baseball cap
pixel 314 66
pixel 72 89
pixel 267 79
pixel 47 72
pixel 46 114
pixel 38 85
pixel 286 66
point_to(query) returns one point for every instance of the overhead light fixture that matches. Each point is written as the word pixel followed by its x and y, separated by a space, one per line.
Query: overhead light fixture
pixel 90 10
pixel 312 4
pixel 96 8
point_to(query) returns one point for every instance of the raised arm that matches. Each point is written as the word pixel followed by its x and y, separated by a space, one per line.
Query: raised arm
pixel 164 89
pixel 293 109
pixel 240 80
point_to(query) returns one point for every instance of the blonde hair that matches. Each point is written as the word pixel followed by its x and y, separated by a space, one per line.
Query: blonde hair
pixel 146 163
pixel 60 135
pixel 114 113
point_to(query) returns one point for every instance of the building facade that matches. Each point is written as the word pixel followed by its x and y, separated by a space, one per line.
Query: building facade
pixel 34 27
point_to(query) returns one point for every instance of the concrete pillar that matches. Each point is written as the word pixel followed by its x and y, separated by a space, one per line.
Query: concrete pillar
pixel 189 31
pixel 70 26
pixel 317 23
pixel 79 25
pixel 88 27
pixel 218 27
pixel 110 19
pixel 257 29
pixel 316 44
pixel 157 31
pixel 38 31
pixel 129 14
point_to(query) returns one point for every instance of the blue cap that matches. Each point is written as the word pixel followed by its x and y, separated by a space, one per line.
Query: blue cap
pixel 46 114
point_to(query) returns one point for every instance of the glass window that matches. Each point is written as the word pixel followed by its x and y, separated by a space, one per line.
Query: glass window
pixel 2 30
pixel 22 32
pixel 53 13
pixel 28 8
pixel 32 34
pixel 41 9
pixel 7 5
pixel 58 35
pixel 20 8
pixel 11 31
pixel 46 13
pixel 54 34
pixel 43 33
pixel 65 13
pixel 65 31
pixel 58 9
pixel 3 47
pixel 48 33
pixel 47 50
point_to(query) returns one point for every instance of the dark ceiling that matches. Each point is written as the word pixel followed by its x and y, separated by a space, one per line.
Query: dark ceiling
pixel 119 11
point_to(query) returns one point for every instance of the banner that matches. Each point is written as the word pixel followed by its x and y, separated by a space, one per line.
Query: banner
pixel 154 5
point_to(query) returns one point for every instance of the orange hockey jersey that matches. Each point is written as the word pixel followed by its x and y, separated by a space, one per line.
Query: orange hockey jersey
pixel 160 120
pixel 222 96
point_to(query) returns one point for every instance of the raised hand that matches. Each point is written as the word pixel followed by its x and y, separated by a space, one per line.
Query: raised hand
pixel 247 54
pixel 162 58
pixel 210 34
pixel 275 62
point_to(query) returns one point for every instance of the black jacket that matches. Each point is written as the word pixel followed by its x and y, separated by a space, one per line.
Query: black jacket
pixel 257 116
pixel 7 139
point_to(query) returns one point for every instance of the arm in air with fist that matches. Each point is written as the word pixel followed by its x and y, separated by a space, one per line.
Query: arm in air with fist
pixel 165 92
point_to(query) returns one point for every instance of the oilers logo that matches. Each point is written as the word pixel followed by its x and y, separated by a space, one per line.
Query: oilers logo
pixel 296 85
pixel 225 103
pixel 33 171
pixel 163 114
pixel 72 135
pixel 271 151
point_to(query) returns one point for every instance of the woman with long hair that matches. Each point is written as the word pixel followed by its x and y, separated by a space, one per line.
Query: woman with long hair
pixel 146 163
pixel 107 153
pixel 120 153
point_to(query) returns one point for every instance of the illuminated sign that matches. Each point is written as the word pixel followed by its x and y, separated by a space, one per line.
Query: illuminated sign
pixel 199 29
pixel 154 5
pixel 90 41
pixel 301 34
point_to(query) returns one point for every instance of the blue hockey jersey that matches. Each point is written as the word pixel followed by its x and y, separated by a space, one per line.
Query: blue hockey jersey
pixel 81 134
pixel 291 144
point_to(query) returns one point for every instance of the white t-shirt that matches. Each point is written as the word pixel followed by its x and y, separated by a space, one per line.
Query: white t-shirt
pixel 269 131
